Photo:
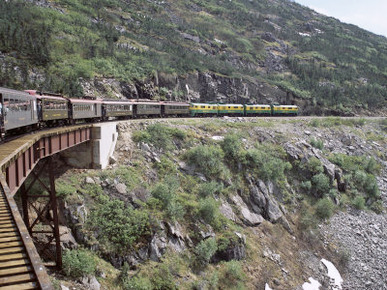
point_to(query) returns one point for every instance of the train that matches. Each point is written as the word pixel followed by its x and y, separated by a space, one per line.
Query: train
pixel 22 111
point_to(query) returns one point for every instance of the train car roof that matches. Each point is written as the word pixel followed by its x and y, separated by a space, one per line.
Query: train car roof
pixel 148 103
pixel 11 91
pixel 50 97
pixel 203 104
pixel 85 101
pixel 286 106
pixel 239 105
pixel 117 102
pixel 257 105
pixel 175 103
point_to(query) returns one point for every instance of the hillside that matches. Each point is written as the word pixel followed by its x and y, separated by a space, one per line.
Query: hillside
pixel 238 51
pixel 229 204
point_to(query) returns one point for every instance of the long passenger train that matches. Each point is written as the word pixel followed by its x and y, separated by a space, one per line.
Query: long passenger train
pixel 30 110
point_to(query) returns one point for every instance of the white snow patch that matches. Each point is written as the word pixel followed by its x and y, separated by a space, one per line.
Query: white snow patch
pixel 333 274
pixel 313 285
pixel 267 287
pixel 217 138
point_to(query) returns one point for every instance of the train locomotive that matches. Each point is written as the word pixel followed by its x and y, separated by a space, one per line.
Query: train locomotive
pixel 22 111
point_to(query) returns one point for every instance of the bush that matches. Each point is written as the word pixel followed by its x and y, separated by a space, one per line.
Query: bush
pixel 208 210
pixel 137 283
pixel 64 189
pixel 324 208
pixel 317 143
pixel 233 149
pixel 204 252
pixel 266 166
pixel 207 159
pixel 233 274
pixel 209 189
pixel 306 185
pixel 162 278
pixel 359 202
pixel 118 227
pixel 159 135
pixel 314 166
pixel 371 186
pixel 78 263
pixel 320 184
pixel 166 193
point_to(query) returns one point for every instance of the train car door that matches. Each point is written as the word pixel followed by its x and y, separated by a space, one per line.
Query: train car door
pixel 33 109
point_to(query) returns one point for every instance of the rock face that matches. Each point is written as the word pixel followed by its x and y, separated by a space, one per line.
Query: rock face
pixel 263 202
pixel 249 218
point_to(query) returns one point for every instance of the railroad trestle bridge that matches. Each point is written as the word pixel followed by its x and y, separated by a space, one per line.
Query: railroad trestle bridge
pixel 31 156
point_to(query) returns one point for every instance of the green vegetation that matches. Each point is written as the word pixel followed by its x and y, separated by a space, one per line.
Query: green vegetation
pixel 166 194
pixel 160 136
pixel 204 252
pixel 78 263
pixel 118 226
pixel 267 162
pixel 317 143
pixel 207 159
pixel 361 174
pixel 324 208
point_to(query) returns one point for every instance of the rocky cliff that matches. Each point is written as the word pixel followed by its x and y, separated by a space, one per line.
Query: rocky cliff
pixel 233 201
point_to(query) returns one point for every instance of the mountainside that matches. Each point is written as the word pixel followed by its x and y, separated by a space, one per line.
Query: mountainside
pixel 245 51
pixel 230 203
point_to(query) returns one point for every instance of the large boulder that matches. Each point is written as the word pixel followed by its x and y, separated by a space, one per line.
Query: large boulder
pixel 249 218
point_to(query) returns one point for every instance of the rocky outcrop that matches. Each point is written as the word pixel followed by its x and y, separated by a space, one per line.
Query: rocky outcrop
pixel 235 250
pixel 248 217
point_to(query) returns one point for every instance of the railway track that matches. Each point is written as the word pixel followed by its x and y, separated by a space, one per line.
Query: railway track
pixel 20 266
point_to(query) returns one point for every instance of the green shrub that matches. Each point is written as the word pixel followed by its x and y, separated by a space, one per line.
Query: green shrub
pixel 78 263
pixel 137 283
pixel 314 166
pixel 359 202
pixel 166 193
pixel 209 189
pixel 233 149
pixel 317 143
pixel 266 166
pixel 233 274
pixel 371 186
pixel 162 278
pixel 306 185
pixel 204 252
pixel 320 184
pixel 207 159
pixel 315 123
pixel 175 210
pixel 118 227
pixel 165 166
pixel 377 207
pixel 324 208
pixel 360 178
pixel 208 210
pixel 159 135
pixel 64 189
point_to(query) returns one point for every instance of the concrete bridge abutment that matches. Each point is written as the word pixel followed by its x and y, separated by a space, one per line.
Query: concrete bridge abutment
pixel 97 152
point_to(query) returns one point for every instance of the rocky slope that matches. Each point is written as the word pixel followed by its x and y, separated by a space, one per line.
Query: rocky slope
pixel 233 51
pixel 234 224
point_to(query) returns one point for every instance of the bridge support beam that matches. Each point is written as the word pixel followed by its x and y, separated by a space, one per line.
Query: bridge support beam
pixel 43 223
